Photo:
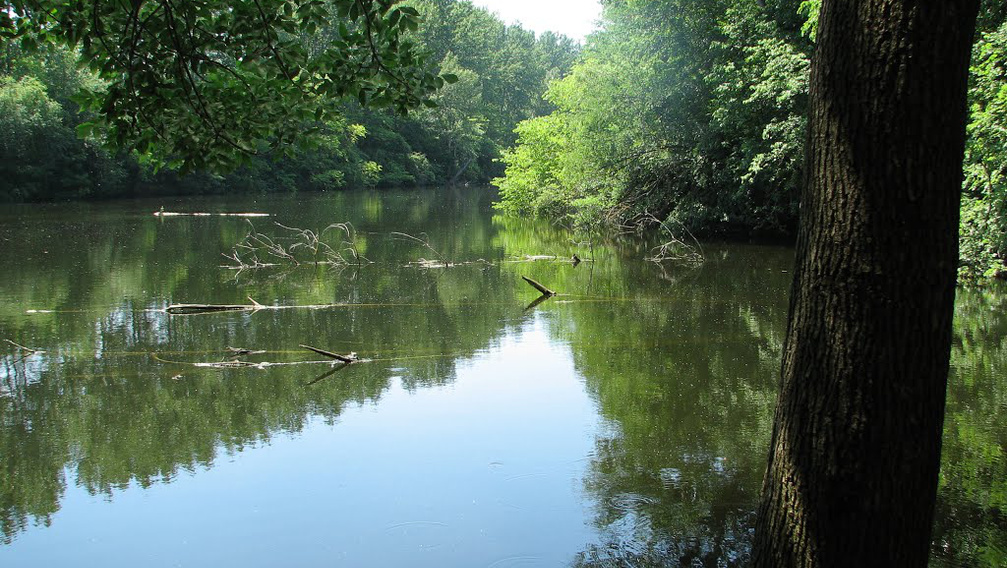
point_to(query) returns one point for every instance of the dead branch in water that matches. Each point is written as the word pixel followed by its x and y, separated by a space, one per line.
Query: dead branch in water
pixel 300 246
pixel 351 358
pixel 545 291
pixel 193 309
pixel 441 262
pixel 233 363
pixel 575 259
pixel 240 351
pixel 675 249
pixel 26 350
pixel 163 213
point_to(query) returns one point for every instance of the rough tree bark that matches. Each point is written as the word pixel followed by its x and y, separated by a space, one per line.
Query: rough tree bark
pixel 855 452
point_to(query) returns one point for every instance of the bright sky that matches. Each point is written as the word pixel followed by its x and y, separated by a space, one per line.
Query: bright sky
pixel 573 18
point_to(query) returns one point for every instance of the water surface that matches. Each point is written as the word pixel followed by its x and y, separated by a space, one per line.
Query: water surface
pixel 623 422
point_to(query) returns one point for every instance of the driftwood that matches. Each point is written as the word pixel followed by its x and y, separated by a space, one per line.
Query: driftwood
pixel 239 351
pixel 163 213
pixel 545 291
pixel 233 362
pixel 27 350
pixel 190 309
pixel 352 357
pixel 575 259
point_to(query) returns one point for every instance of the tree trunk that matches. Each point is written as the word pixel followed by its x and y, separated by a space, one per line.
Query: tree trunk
pixel 855 452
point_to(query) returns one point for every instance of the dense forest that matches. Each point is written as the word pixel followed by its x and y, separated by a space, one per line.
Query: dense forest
pixel 688 113
pixel 501 71
pixel 694 113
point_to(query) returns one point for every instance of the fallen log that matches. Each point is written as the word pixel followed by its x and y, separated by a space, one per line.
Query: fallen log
pixel 344 358
pixel 190 309
pixel 163 213
pixel 545 291
pixel 240 351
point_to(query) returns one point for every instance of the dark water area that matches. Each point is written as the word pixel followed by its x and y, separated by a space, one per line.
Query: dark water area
pixel 623 422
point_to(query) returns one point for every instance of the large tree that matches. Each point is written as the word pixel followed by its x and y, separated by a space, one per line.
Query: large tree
pixel 856 444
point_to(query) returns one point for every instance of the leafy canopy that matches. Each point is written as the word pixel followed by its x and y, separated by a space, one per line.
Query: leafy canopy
pixel 205 84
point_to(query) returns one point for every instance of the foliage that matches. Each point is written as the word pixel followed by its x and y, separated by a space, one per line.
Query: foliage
pixel 676 109
pixel 984 203
pixel 455 136
pixel 456 122
pixel 39 153
pixel 695 113
pixel 201 85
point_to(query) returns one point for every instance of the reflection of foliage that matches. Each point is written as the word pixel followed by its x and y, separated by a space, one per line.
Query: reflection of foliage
pixel 97 406
pixel 689 386
pixel 681 362
pixel 972 502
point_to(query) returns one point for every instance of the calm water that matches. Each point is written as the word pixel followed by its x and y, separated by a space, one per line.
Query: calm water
pixel 621 423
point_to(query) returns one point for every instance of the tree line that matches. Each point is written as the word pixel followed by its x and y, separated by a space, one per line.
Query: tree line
pixel 483 77
pixel 695 113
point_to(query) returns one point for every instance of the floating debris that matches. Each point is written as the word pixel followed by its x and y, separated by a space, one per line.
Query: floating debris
pixel 163 213
pixel 189 309
pixel 195 309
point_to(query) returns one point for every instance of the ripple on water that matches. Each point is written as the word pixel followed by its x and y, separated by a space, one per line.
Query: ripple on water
pixel 418 535
pixel 512 561
pixel 630 502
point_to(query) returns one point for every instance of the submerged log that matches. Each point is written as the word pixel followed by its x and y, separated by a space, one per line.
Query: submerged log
pixel 186 309
pixel 344 358
pixel 545 291
pixel 189 309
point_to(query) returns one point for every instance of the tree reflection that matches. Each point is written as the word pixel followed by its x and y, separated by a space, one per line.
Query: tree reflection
pixel 688 386
pixel 681 362
pixel 98 407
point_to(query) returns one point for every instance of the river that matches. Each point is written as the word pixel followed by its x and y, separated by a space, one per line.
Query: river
pixel 622 422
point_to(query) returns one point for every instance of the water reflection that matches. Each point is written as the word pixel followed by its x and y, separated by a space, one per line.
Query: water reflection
pixel 622 422
pixel 691 385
